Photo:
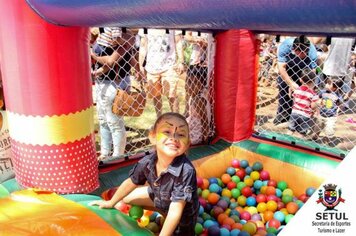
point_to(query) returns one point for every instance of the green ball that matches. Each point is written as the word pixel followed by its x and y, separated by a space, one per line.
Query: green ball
pixel 235 179
pixel 241 185
pixel 136 212
pixel 288 218
pixel 235 193
pixel 271 230
pixel 282 185
pixel 199 191
pixel 198 229
pixel 287 198
pixel 220 183
pixel 152 226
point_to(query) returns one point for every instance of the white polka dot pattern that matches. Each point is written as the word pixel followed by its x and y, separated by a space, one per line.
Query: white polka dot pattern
pixel 65 168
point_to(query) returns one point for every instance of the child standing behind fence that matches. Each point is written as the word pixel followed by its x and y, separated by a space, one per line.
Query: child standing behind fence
pixel 331 99
pixel 304 105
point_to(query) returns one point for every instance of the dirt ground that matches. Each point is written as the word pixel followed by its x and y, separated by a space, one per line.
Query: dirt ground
pixel 345 135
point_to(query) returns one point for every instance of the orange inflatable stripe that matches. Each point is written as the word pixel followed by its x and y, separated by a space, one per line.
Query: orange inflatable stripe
pixel 298 179
pixel 31 212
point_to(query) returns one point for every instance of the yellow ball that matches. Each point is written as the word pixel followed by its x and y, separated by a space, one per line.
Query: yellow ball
pixel 284 211
pixel 144 221
pixel 226 193
pixel 261 207
pixel 252 210
pixel 263 189
pixel 272 206
pixel 241 200
pixel 255 175
pixel 248 182
pixel 287 191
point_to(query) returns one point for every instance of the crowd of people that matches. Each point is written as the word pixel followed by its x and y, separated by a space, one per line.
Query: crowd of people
pixel 160 59
pixel 315 79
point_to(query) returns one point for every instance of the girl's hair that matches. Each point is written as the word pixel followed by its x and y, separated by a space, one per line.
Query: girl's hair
pixel 167 115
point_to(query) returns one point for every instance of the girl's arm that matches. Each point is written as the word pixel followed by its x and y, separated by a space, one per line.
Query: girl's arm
pixel 173 218
pixel 125 188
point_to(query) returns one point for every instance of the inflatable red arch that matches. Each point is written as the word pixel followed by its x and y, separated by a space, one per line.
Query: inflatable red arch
pixel 45 70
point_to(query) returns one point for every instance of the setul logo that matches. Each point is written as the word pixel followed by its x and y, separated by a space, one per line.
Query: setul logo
pixel 330 197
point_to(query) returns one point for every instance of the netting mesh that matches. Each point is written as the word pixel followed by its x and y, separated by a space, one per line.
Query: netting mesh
pixel 155 71
pixel 306 87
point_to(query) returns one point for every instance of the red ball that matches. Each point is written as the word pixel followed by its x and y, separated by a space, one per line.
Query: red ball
pixel 273 198
pixel 261 198
pixel 264 175
pixel 303 197
pixel 241 173
pixel 228 227
pixel 235 163
pixel 202 202
pixel 274 223
pixel 272 182
pixel 231 185
pixel 200 182
pixel 246 191
pixel 280 205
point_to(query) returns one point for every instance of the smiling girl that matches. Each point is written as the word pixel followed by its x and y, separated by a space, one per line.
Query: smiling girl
pixel 171 178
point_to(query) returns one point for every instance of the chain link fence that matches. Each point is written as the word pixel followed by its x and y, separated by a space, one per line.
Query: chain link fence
pixel 306 89
pixel 155 71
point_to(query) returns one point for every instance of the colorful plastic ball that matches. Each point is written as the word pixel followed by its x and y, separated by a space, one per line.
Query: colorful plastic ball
pixel 144 221
pixel 221 218
pixel 241 185
pixel 235 163
pixel 280 205
pixel 246 191
pixel 272 206
pixel 213 181
pixel 152 226
pixel 226 193
pixel 284 210
pixel 270 190
pixel 261 207
pixel 278 192
pixel 257 166
pixel 272 198
pixel 245 215
pixel 256 217
pixel 205 193
pixel 206 216
pixel 136 212
pixel 255 175
pixel 249 227
pixel 287 191
pixel 252 210
pixel 223 204
pixel 198 229
pixel 248 181
pixel 310 191
pixel 200 220
pixel 248 170
pixel 236 218
pixel 235 193
pixel 214 188
pixel 244 163
pixel 292 207
pixel 282 185
pixel 208 223
pixel 214 230
pixel 153 216
pixel 251 201
pixel 261 198
pixel 288 218
pixel 206 184
pixel 234 232
pixel 200 182
pixel 231 185
pixel 231 171
pixel 224 231
pixel 220 183
pixel 267 215
pixel 278 215
pixel 241 173
pixel 300 203
pixel 123 207
pixel 228 221
pixel 225 178
pixel 287 198
pixel 271 231
pixel 264 175
pixel 244 233
pixel 213 198
pixel 303 197
pixel 257 184
pixel 241 200
pixel 235 179
pixel 274 223
pixel 202 202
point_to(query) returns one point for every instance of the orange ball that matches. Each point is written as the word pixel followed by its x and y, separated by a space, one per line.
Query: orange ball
pixel 267 215
pixel 263 189
pixel 228 221
pixel 292 207
pixel 205 184
pixel 213 198
pixel 225 178
pixel 236 226
pixel 270 190
pixel 221 218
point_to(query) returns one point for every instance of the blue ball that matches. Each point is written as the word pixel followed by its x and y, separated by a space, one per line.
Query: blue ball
pixel 214 230
pixel 278 192
pixel 200 220
pixel 208 223
pixel 244 163
pixel 251 201
pixel 234 232
pixel 257 166
pixel 278 215
pixel 257 184
pixel 214 188
pixel 310 191
pixel 234 212
pixel 201 210
pixel 231 171
pixel 243 233
pixel 224 232
pixel 233 205
pixel 248 170
pixel 213 181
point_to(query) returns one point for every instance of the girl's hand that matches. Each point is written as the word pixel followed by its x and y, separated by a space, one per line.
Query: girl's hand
pixel 101 204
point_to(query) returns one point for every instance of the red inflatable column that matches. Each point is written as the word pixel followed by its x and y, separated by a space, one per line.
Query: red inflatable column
pixel 236 64
pixel 46 74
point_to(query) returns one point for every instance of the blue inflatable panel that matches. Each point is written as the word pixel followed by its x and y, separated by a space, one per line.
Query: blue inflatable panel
pixel 326 17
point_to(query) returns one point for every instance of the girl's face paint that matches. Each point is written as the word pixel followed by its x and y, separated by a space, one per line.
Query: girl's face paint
pixel 172 137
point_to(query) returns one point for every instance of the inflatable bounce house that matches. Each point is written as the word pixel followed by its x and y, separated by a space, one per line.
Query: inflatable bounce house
pixel 45 68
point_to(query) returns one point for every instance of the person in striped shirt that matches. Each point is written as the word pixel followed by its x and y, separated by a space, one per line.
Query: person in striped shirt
pixel 304 107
